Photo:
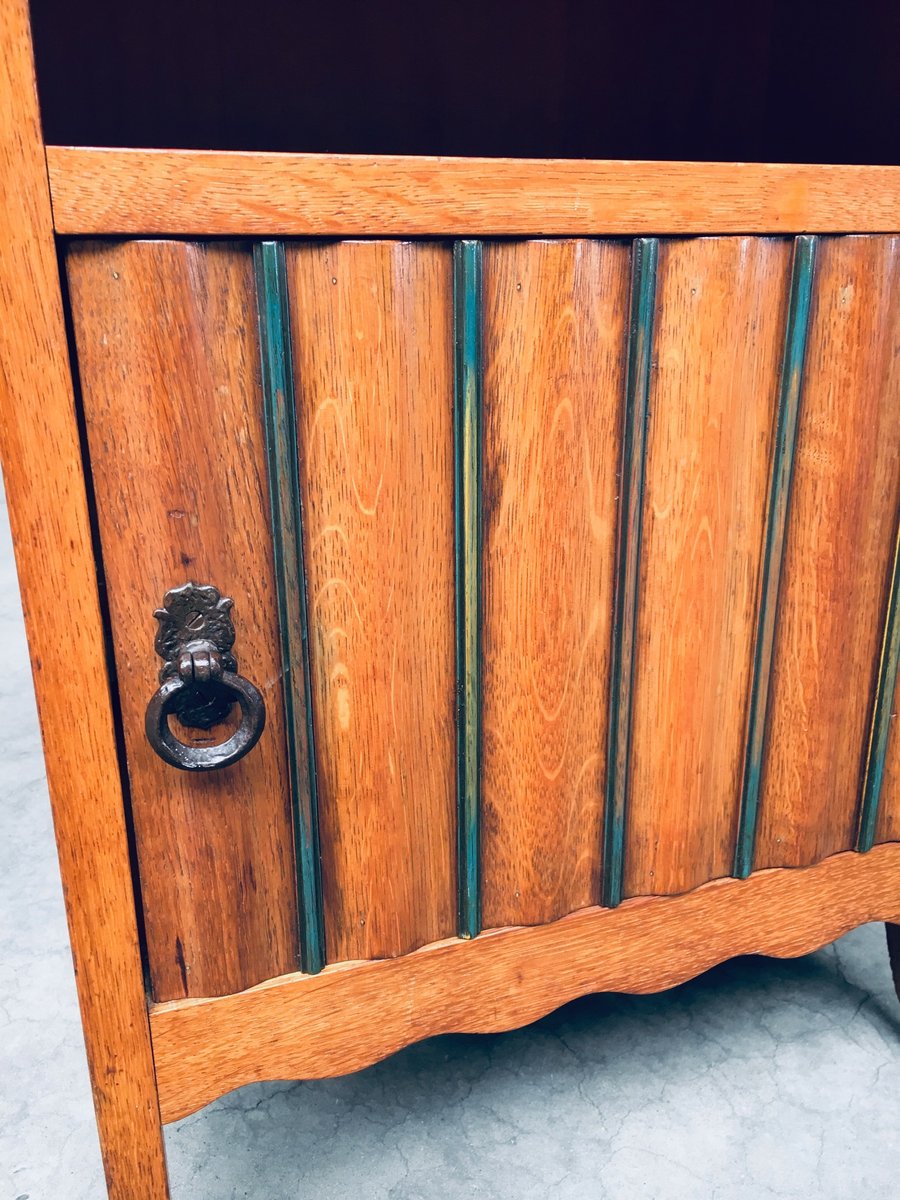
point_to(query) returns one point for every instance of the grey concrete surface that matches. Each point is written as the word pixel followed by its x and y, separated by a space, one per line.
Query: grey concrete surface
pixel 760 1079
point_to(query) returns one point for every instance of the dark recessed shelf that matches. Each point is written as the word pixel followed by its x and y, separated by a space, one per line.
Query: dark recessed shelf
pixel 569 78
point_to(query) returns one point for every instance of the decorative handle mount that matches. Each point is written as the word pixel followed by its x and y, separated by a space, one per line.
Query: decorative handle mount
pixel 199 682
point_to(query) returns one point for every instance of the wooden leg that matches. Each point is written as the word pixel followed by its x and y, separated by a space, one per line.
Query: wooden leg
pixel 893 942
pixel 57 573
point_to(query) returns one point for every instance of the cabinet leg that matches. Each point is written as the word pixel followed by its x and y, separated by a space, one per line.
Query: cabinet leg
pixel 893 942
pixel 43 471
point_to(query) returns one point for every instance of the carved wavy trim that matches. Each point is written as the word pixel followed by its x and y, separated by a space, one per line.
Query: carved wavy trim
pixel 353 1014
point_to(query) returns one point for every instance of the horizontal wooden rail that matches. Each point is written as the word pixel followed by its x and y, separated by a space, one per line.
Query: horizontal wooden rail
pixel 188 193
pixel 353 1014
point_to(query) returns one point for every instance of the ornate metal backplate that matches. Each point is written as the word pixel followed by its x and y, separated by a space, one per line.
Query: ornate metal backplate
pixel 194 640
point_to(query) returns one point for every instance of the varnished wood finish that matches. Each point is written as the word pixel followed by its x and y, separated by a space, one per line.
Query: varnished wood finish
pixel 166 336
pixel 206 192
pixel 44 480
pixel 290 582
pixel 468 374
pixel 780 483
pixel 874 793
pixel 718 339
pixel 555 316
pixel 372 329
pixel 839 556
pixel 888 827
pixel 635 412
pixel 352 1015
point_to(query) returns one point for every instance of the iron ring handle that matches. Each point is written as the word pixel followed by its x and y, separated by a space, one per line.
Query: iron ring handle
pixel 205 758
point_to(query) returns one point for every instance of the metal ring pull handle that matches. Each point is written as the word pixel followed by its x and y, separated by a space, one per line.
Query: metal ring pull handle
pixel 199 682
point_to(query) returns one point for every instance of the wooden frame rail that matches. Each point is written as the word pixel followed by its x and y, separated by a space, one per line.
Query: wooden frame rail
pixel 187 192
pixel 353 1014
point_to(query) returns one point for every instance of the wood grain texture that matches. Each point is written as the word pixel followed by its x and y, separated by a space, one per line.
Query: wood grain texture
pixel 168 359
pixel 554 333
pixel 888 827
pixel 45 489
pixel 721 306
pixel 878 798
pixel 372 327
pixel 220 192
pixel 349 1016
pixel 839 552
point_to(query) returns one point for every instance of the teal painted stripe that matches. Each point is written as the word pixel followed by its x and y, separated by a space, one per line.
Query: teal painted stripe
pixel 290 584
pixel 881 711
pixel 467 514
pixel 645 256
pixel 790 390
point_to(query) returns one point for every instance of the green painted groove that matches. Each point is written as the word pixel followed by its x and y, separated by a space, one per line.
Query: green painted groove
pixel 467 269
pixel 645 256
pixel 881 711
pixel 290 584
pixel 789 398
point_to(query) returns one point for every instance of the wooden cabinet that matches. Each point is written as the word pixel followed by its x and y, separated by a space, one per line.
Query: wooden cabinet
pixel 558 506
pixel 338 467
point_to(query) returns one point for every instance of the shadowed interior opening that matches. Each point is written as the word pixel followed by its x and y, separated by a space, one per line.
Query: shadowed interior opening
pixel 773 81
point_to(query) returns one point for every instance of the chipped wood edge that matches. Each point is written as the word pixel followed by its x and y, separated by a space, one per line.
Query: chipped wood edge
pixel 353 1014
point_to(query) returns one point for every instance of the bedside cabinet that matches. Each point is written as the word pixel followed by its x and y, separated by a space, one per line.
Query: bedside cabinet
pixel 454 584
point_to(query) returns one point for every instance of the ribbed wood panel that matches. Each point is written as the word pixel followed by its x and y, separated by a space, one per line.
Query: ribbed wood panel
pixel 555 317
pixel 166 336
pixel 372 330
pixel 533 572
pixel 838 557
pixel 721 306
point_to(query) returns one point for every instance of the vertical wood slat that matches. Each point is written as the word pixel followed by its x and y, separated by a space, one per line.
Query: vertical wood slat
pixel 290 585
pixel 168 356
pixel 883 713
pixel 721 305
pixel 371 326
pixel 838 557
pixel 645 257
pixel 555 314
pixel 887 821
pixel 886 727
pixel 467 441
pixel 790 390
pixel 887 826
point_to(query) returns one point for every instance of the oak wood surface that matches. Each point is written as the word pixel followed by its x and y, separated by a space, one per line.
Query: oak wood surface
pixel 220 192
pixel 168 362
pixel 838 556
pixel 721 305
pixel 888 827
pixel 554 342
pixel 353 1014
pixel 372 328
pixel 45 488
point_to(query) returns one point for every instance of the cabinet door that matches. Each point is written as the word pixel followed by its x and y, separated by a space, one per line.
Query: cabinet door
pixel 187 449
pixel 169 367
pixel 563 568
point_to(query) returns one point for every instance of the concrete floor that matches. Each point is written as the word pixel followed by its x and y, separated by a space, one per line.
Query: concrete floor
pixel 760 1079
